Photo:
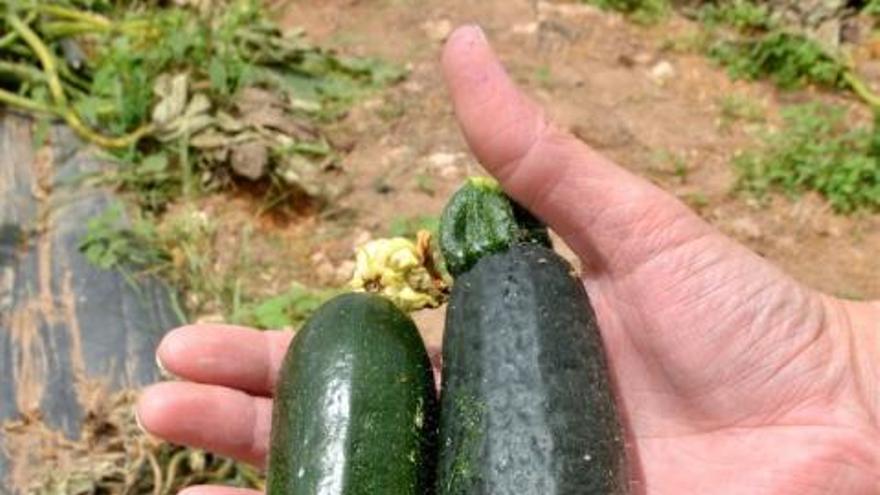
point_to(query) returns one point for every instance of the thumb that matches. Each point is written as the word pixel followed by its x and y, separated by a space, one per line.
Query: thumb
pixel 612 219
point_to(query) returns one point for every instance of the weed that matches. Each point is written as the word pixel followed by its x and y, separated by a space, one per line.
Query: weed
pixel 544 76
pixel 790 60
pixel 742 15
pixel 287 310
pixel 672 164
pixel 111 243
pixel 735 108
pixel 115 97
pixel 815 150
pixel 641 11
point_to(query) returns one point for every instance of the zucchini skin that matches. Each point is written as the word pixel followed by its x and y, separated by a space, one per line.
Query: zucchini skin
pixel 526 401
pixel 480 219
pixel 355 409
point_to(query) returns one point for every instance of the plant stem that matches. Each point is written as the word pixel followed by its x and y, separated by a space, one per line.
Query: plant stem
pixel 12 36
pixel 46 58
pixel 101 140
pixel 57 90
pixel 22 71
pixel 861 89
pixel 76 15
pixel 62 29
pixel 15 100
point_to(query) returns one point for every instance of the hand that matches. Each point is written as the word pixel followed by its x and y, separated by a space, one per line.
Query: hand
pixel 733 378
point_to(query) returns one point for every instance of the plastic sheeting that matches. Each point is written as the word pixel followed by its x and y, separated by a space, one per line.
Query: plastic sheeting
pixel 65 325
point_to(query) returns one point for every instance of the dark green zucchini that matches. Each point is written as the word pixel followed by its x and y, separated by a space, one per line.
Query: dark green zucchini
pixel 355 409
pixel 526 401
pixel 479 219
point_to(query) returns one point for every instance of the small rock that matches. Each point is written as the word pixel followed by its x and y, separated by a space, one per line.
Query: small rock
pixel 360 238
pixel 643 58
pixel 413 87
pixel 745 227
pixel 662 72
pixel 526 28
pixel 441 159
pixel 438 29
pixel 449 172
pixel 250 160
pixel 344 271
pixel 325 272
pixel 323 267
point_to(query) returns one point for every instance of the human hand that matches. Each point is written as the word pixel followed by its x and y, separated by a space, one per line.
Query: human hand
pixel 733 378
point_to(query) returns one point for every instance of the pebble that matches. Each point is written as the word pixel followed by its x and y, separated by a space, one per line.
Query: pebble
pixel 662 72
pixel 437 29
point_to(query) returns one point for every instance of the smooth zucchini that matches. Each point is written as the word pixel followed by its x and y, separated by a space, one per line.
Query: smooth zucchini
pixel 355 410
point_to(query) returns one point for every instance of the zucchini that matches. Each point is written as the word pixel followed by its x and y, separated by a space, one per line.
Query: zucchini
pixel 355 410
pixel 526 400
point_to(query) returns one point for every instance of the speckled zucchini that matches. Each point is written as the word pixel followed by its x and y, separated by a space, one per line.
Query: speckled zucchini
pixel 526 402
pixel 355 410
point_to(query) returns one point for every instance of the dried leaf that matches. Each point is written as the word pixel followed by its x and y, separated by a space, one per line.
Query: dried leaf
pixel 172 92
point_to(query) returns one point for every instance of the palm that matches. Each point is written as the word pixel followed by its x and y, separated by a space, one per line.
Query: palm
pixel 733 378
pixel 725 373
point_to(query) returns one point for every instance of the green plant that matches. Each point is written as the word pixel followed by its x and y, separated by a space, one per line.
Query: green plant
pixel 736 107
pixel 409 226
pixel 742 15
pixel 815 150
pixel 789 60
pixel 641 11
pixel 112 243
pixel 183 89
pixel 872 7
pixel 286 310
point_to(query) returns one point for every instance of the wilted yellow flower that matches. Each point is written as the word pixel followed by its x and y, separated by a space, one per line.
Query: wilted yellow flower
pixel 401 270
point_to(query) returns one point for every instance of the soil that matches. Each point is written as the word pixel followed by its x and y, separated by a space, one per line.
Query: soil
pixel 635 93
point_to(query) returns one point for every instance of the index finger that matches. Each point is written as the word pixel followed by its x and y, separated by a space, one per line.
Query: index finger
pixel 227 355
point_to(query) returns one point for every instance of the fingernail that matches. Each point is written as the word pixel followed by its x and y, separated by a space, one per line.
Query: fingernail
pixel 163 371
pixel 478 32
pixel 137 420
pixel 470 33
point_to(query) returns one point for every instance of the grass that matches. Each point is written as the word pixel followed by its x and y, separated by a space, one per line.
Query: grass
pixel 816 150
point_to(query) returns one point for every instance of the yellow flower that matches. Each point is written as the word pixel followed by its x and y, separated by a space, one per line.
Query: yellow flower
pixel 401 270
